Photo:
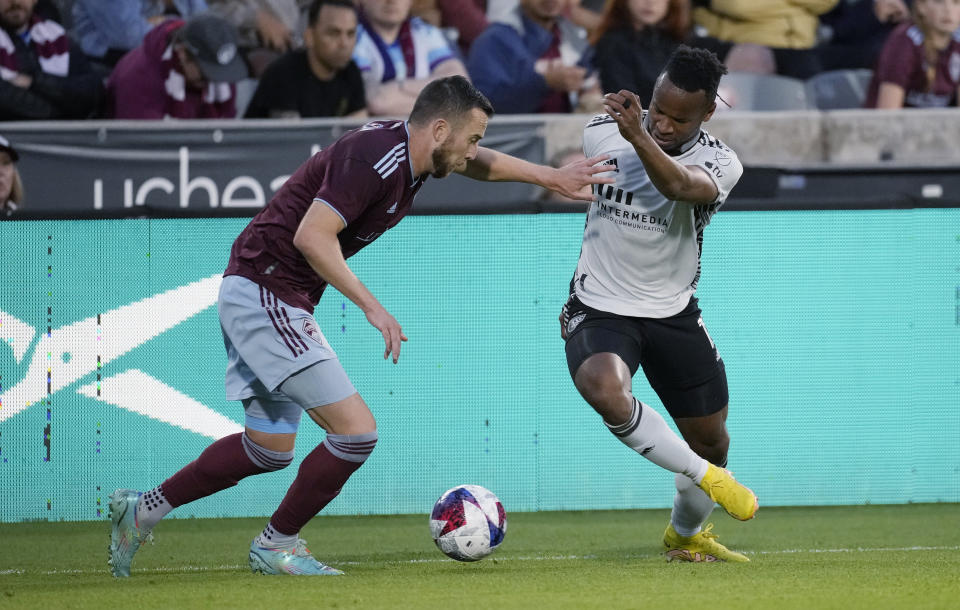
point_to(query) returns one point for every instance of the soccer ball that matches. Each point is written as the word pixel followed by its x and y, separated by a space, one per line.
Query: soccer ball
pixel 468 523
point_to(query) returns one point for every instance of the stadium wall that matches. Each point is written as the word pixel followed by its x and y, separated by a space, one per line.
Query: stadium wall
pixel 839 328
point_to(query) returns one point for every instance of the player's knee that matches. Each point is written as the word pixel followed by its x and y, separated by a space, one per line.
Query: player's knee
pixel 264 458
pixel 604 391
pixel 713 448
pixel 352 447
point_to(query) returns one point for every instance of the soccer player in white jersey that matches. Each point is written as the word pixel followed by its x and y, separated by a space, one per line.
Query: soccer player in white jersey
pixel 632 298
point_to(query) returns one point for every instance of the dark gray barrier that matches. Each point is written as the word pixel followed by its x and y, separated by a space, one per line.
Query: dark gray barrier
pixel 199 166
pixel 232 168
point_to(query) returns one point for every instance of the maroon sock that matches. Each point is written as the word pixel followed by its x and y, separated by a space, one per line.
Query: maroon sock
pixel 321 476
pixel 221 465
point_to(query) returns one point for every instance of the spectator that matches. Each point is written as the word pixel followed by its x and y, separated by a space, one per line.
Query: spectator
pixel 529 61
pixel 268 28
pixel 42 75
pixel 107 29
pixel 635 39
pixel 11 189
pixel 586 13
pixel 398 55
pixel 183 70
pixel 853 33
pixel 320 80
pixel 919 66
pixel 468 18
pixel 763 35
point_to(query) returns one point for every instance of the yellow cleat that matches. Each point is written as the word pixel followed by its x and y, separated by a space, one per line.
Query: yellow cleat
pixel 735 498
pixel 701 547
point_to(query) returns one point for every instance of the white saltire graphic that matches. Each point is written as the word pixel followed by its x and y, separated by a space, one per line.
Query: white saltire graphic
pixel 75 347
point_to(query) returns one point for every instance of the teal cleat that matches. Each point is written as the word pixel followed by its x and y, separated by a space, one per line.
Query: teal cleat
pixel 298 562
pixel 125 536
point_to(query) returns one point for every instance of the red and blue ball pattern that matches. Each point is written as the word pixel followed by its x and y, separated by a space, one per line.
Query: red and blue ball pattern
pixel 468 522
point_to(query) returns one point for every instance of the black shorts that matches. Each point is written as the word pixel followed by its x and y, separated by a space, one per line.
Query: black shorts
pixel 677 355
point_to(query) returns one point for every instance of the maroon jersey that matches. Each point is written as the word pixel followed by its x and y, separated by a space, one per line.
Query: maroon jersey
pixel 365 177
pixel 903 62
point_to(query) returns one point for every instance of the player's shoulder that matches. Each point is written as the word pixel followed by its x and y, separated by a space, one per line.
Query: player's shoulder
pixel 712 143
pixel 597 132
pixel 597 120
pixel 380 144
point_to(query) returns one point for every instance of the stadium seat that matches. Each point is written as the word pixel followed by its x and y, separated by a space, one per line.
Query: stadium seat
pixel 838 89
pixel 245 91
pixel 749 91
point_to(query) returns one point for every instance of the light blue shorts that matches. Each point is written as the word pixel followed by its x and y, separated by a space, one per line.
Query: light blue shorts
pixel 268 341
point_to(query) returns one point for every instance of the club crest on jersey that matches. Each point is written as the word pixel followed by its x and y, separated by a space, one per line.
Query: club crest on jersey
pixel 310 329
pixel 574 322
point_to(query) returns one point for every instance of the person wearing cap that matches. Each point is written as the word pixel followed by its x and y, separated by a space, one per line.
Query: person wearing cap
pixel 183 70
pixel 106 31
pixel 11 189
pixel 42 75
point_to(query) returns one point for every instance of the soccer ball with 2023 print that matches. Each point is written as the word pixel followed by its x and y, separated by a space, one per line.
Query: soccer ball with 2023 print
pixel 468 523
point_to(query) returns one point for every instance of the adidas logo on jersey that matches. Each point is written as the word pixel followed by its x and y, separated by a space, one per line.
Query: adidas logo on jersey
pixel 613 162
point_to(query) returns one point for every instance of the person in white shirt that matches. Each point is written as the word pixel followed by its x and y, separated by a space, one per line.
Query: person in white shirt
pixel 632 300
pixel 398 55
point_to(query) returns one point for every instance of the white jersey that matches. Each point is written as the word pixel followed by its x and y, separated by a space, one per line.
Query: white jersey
pixel 641 251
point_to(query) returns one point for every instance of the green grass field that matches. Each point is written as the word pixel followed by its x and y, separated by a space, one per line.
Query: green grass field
pixel 834 557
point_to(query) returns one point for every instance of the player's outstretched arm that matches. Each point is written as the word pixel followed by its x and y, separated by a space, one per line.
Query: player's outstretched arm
pixel 679 182
pixel 316 238
pixel 572 180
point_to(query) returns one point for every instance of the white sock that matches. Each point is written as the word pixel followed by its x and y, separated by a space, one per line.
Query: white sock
pixel 691 507
pixel 152 507
pixel 270 538
pixel 647 433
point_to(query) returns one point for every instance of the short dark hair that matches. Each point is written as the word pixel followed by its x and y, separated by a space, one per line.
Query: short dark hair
pixel 314 11
pixel 695 70
pixel 448 98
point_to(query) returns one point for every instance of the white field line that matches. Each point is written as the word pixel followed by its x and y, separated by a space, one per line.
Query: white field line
pixel 238 567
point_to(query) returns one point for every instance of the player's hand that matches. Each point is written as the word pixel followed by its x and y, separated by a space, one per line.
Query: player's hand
pixel 273 33
pixel 573 180
pixel 624 106
pixel 393 335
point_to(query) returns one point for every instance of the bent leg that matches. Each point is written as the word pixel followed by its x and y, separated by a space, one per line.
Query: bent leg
pixel 351 438
pixel 604 381
pixel 707 435
pixel 265 445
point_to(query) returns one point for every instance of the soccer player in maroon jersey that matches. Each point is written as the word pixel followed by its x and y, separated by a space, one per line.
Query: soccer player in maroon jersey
pixel 280 364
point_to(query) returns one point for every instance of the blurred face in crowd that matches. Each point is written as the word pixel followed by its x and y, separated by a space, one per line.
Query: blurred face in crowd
pixel 647 12
pixel 6 176
pixel 191 71
pixel 460 145
pixel 387 13
pixel 331 39
pixel 542 10
pixel 939 16
pixel 675 115
pixel 14 14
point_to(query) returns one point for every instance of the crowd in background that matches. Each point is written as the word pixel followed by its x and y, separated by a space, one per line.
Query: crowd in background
pixel 154 59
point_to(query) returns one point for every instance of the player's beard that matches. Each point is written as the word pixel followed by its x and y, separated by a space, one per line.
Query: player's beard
pixel 442 164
